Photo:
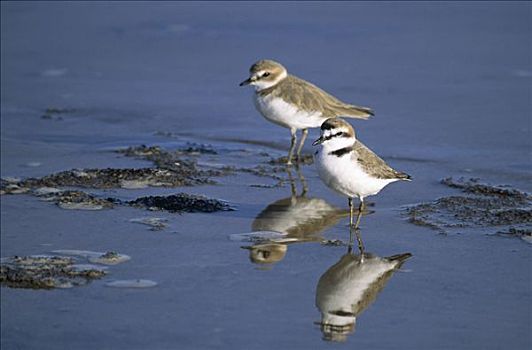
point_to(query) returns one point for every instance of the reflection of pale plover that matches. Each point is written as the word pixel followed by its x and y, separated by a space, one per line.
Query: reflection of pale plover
pixel 348 287
pixel 295 103
pixel 350 168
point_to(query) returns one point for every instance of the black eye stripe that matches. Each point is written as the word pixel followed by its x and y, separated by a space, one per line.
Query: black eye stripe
pixel 338 134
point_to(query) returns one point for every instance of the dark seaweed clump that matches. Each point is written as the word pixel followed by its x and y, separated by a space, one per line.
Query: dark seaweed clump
pixel 195 148
pixel 174 161
pixel 115 178
pixel 181 202
pixel 305 159
pixel 79 199
pixel 56 113
pixel 474 187
pixel 517 232
pixel 171 170
pixel 45 272
pixel 481 205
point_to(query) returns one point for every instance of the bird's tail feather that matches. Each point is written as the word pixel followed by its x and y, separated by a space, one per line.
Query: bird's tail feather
pixel 399 257
pixel 404 176
pixel 355 112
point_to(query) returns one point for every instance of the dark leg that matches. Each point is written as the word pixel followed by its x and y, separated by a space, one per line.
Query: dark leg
pixel 293 188
pixel 355 228
pixel 303 181
pixel 360 209
pixel 350 202
pixel 292 146
pixel 360 243
pixel 304 134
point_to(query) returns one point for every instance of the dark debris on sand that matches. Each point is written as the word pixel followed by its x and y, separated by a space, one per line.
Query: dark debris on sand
pixel 116 178
pixel 170 171
pixel 525 232
pixel 55 113
pixel 305 159
pixel 264 171
pixel 475 187
pixel 174 160
pixel 181 202
pixel 192 148
pixel 45 272
pixel 481 205
pixel 174 168
pixel 333 243
pixel 78 200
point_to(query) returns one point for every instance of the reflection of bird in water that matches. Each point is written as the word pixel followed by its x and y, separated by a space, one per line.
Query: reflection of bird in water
pixel 267 253
pixel 348 287
pixel 298 217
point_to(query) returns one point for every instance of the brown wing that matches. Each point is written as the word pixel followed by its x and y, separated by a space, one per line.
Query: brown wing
pixel 374 165
pixel 312 98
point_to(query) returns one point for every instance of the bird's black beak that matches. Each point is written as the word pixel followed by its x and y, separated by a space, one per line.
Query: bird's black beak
pixel 318 141
pixel 246 82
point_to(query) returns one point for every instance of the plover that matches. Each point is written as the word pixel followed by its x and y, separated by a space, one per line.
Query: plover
pixel 348 167
pixel 294 103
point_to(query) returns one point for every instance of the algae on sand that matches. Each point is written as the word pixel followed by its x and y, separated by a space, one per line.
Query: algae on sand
pixel 116 178
pixel 170 170
pixel 46 272
pixel 77 200
pixel 181 202
pixel 481 205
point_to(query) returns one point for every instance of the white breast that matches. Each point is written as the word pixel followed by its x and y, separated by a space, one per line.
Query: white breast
pixel 282 113
pixel 346 177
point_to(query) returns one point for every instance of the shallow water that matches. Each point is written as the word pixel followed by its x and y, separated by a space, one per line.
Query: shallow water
pixel 450 84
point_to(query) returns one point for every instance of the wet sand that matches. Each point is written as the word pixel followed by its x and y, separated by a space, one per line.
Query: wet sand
pixel 451 91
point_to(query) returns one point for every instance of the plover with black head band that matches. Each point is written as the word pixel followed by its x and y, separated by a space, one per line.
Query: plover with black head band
pixel 294 103
pixel 348 167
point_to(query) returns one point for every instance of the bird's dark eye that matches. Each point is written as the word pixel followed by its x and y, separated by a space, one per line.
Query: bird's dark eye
pixel 267 74
pixel 338 134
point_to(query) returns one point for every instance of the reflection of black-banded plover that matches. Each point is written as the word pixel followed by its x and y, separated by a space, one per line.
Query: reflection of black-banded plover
pixel 295 103
pixel 348 287
pixel 350 168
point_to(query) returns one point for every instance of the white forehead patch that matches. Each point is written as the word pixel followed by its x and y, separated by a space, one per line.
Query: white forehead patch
pixel 327 133
pixel 330 132
pixel 262 84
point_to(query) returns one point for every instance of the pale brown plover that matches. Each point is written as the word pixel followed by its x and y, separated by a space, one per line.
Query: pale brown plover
pixel 294 103
pixel 348 167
